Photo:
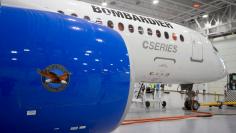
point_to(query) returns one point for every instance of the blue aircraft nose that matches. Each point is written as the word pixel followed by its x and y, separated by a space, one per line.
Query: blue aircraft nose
pixel 60 73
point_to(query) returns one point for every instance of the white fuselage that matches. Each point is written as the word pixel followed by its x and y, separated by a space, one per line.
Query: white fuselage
pixel 152 58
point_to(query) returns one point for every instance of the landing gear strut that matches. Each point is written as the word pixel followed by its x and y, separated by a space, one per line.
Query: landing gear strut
pixel 190 102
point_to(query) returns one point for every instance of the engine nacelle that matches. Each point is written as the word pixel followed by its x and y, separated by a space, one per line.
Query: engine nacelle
pixel 60 73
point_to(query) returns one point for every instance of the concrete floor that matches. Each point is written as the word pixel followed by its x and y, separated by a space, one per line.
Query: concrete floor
pixel 224 120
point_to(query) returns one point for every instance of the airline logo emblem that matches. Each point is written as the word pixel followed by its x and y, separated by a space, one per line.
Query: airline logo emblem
pixel 55 78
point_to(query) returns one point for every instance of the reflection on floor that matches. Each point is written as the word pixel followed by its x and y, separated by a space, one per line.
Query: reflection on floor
pixel 218 123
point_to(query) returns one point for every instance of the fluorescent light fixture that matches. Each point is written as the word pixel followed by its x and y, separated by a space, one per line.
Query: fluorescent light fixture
pixel 155 2
pixel 205 16
pixel 104 3
pixel 196 5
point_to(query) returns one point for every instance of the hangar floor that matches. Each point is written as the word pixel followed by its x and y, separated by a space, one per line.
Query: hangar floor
pixel 224 120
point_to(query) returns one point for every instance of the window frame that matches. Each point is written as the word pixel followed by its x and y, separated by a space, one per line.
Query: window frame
pixel 60 11
pixel 129 26
pixel 74 15
pixel 174 36
pixel 121 26
pixel 166 34
pixel 140 30
pixel 110 24
pixel 87 18
pixel 99 21
pixel 158 35
pixel 149 31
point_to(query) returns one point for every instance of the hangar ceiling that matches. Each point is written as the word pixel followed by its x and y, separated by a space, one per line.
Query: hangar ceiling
pixel 221 17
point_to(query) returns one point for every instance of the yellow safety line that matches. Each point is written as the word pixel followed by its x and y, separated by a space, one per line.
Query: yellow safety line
pixel 217 103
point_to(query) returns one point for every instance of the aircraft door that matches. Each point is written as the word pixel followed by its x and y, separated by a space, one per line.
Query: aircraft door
pixel 197 48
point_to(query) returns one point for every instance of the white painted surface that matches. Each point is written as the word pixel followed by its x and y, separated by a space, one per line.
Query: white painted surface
pixel 152 59
pixel 227 50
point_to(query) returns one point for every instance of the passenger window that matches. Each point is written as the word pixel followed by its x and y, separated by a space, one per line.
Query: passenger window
pixel 140 30
pixel 182 38
pixel 149 31
pixel 121 26
pixel 75 15
pixel 166 35
pixel 87 18
pixel 61 12
pixel 174 36
pixel 110 24
pixel 158 33
pixel 131 28
pixel 99 20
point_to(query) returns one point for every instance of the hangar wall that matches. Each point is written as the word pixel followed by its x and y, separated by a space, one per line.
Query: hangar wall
pixel 227 49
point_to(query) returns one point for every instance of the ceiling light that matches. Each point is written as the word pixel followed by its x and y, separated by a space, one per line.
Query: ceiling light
pixel 155 2
pixel 104 3
pixel 196 5
pixel 205 16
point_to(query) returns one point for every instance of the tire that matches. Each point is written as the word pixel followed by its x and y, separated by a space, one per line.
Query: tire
pixel 221 104
pixel 147 104
pixel 187 105
pixel 195 105
pixel 164 104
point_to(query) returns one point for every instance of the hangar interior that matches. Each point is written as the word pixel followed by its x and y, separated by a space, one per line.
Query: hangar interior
pixel 216 20
pixel 153 107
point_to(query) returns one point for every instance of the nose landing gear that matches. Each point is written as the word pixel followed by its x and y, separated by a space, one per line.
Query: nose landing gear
pixel 191 105
pixel 190 102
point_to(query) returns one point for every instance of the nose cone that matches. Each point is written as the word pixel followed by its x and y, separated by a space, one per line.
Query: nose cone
pixel 223 68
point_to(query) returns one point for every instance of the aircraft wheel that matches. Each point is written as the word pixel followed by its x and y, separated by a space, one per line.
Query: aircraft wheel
pixel 147 104
pixel 164 104
pixel 195 105
pixel 221 104
pixel 187 105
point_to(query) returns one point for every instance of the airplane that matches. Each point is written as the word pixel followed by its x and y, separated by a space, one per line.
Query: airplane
pixel 68 65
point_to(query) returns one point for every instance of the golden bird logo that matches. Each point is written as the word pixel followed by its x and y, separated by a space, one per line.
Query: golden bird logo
pixel 55 77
